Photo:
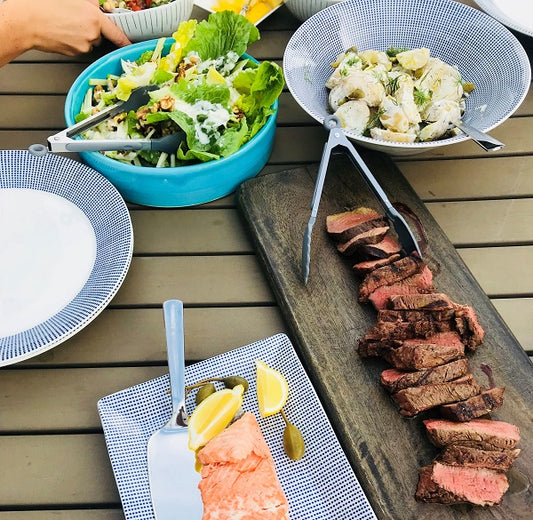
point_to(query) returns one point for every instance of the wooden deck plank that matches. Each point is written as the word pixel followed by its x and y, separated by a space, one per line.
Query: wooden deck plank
pixel 67 397
pixel 136 336
pixel 64 514
pixel 54 470
pixel 517 313
pixel 197 280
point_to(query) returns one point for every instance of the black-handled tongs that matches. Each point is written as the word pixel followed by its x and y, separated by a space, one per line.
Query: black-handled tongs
pixel 337 138
pixel 64 141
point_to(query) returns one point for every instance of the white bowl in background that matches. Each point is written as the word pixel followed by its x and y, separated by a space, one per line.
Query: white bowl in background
pixel 485 52
pixel 304 9
pixel 154 22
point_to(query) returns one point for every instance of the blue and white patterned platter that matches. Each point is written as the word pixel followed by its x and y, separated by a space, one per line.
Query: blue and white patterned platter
pixel 67 244
pixel 321 486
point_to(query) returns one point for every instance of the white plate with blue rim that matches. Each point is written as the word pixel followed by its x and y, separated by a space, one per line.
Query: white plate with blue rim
pixel 67 244
pixel 515 14
pixel 321 486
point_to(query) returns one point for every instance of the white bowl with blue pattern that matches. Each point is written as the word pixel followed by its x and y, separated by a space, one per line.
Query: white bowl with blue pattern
pixel 485 52
pixel 304 9
pixel 154 22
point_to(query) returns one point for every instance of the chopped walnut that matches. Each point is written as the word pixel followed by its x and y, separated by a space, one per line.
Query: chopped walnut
pixel 238 113
pixel 167 103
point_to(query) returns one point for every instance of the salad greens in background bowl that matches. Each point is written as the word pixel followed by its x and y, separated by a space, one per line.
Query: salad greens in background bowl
pixel 143 20
pixel 207 87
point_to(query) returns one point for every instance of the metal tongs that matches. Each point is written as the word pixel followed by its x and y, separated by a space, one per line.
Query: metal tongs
pixel 63 141
pixel 337 138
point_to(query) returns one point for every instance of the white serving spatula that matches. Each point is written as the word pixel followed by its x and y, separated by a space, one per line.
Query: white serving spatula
pixel 171 464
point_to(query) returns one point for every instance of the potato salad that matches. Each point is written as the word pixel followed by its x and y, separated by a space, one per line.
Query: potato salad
pixel 401 95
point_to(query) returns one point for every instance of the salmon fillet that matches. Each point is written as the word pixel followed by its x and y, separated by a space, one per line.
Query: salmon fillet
pixel 239 480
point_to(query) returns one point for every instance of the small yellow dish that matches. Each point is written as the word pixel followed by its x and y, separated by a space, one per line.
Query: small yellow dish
pixel 255 10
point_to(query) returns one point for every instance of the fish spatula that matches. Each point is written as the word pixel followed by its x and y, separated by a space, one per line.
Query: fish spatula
pixel 337 138
pixel 171 464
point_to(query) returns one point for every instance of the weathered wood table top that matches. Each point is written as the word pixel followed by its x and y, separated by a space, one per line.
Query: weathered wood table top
pixel 52 451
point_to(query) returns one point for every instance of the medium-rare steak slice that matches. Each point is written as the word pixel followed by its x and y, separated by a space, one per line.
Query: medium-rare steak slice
pixel 394 380
pixel 458 455
pixel 408 330
pixel 367 237
pixel 454 484
pixel 468 326
pixel 415 316
pixel 389 275
pixel 427 356
pixel 418 356
pixel 362 268
pixel 387 247
pixel 343 226
pixel 474 407
pixel 434 301
pixel 420 283
pixel 483 433
pixel 419 398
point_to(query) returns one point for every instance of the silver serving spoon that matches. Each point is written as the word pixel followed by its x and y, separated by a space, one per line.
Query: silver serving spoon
pixel 484 140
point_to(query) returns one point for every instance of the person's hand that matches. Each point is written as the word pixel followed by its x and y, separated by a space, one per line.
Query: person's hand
pixel 67 27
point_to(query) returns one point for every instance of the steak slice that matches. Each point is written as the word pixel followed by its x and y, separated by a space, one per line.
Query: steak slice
pixel 415 316
pixel 384 249
pixel 420 283
pixel 433 301
pixel 389 275
pixel 476 406
pixel 482 433
pixel 419 398
pixel 368 266
pixel 468 326
pixel 394 380
pixel 367 237
pixel 419 356
pixel 458 455
pixel 455 484
pixel 344 226
pixel 408 330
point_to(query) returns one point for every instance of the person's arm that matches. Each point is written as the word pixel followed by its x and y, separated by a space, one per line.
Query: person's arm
pixel 67 27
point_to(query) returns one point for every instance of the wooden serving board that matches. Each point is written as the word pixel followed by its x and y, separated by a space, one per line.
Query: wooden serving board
pixel 325 320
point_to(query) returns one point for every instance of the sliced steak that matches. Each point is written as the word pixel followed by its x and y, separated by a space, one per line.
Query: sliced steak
pixel 344 226
pixel 434 301
pixel 454 484
pixel 384 249
pixel 458 455
pixel 482 433
pixel 419 356
pixel 408 330
pixel 351 246
pixel 474 407
pixel 415 316
pixel 450 341
pixel 421 283
pixel 389 275
pixel 362 268
pixel 419 398
pixel 468 326
pixel 394 380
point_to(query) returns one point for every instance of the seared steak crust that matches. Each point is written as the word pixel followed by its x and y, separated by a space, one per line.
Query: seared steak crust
pixel 419 398
pixel 394 380
pixel 368 237
pixel 362 268
pixel 459 455
pixel 482 433
pixel 476 406
pixel 413 356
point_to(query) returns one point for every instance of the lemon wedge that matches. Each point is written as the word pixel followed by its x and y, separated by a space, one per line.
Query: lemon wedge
pixel 214 77
pixel 212 415
pixel 272 389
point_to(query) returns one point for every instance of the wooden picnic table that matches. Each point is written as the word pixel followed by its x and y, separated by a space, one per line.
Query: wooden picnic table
pixel 54 459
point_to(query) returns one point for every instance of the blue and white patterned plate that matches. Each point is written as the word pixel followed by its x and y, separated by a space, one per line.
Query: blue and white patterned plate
pixel 64 198
pixel 515 14
pixel 321 486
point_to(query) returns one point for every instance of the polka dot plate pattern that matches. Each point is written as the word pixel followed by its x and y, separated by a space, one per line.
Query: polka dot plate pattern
pixel 321 486
pixel 108 215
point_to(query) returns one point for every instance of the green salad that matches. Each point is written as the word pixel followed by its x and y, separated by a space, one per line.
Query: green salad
pixel 206 88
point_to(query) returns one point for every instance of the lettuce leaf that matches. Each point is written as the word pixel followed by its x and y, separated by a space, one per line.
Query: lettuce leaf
pixel 221 33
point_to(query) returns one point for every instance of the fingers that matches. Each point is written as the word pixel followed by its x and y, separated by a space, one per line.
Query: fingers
pixel 112 32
